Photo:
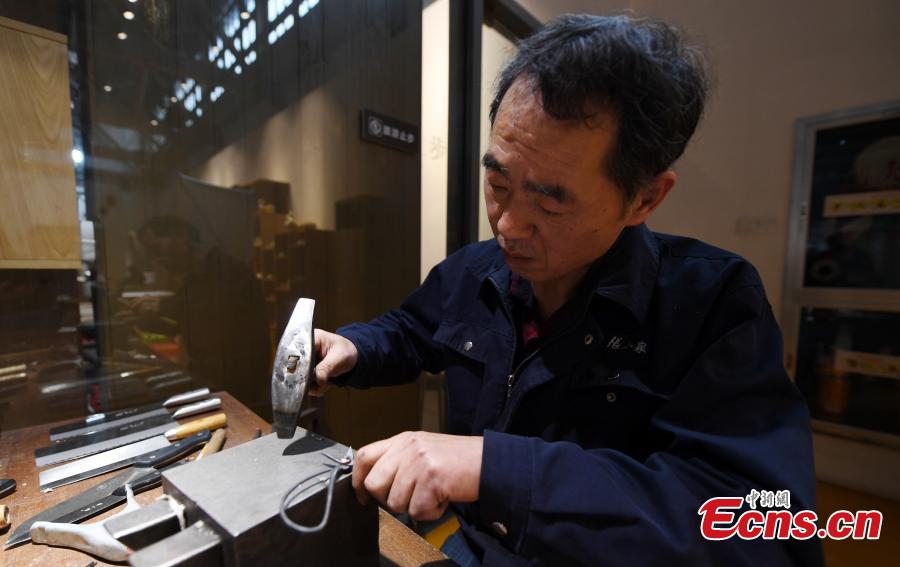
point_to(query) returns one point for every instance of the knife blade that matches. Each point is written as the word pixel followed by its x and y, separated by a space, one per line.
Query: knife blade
pixel 183 411
pixel 92 422
pixel 107 461
pixel 145 474
pixel 121 457
pixel 84 445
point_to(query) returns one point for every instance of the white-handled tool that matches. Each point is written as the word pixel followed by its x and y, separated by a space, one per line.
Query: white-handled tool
pixel 92 538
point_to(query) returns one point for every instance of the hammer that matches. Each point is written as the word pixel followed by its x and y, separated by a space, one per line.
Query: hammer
pixel 294 363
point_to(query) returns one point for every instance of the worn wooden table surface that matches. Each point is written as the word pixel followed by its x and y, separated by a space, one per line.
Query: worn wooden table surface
pixel 399 545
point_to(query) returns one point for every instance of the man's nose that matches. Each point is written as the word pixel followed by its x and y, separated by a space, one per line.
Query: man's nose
pixel 515 222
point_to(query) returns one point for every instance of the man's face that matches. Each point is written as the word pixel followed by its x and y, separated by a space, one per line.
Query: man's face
pixel 549 202
pixel 172 251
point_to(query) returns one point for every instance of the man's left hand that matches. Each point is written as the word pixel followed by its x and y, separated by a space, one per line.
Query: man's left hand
pixel 419 473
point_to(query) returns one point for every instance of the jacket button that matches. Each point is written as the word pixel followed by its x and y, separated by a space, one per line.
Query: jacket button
pixel 468 346
pixel 499 528
pixel 611 397
pixel 588 339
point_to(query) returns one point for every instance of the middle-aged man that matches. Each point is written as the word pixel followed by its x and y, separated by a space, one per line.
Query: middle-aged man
pixel 604 381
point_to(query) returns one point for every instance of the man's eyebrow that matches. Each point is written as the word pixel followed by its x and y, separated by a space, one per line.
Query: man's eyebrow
pixel 490 162
pixel 556 192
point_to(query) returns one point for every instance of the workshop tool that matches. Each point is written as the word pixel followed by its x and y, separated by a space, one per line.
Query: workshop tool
pixel 84 445
pixel 114 459
pixel 4 516
pixel 243 505
pixel 100 421
pixel 232 502
pixel 109 539
pixel 104 495
pixel 202 406
pixel 294 363
pixel 214 444
pixel 92 538
pixel 212 422
pixel 134 527
pixel 7 486
pixel 344 465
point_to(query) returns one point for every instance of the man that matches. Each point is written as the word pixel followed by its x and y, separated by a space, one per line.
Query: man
pixel 604 381
pixel 216 308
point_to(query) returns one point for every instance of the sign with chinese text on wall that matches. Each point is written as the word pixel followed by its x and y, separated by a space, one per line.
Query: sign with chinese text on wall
pixel 390 132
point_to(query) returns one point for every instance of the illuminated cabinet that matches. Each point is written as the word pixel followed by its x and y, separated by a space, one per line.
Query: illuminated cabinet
pixel 39 226
pixel 841 314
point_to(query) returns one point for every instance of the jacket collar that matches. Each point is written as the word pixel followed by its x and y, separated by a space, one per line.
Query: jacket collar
pixel 626 274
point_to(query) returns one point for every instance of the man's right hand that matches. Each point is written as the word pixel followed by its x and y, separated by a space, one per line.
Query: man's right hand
pixel 337 355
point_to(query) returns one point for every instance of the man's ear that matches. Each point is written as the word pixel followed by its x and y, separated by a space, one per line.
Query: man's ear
pixel 649 197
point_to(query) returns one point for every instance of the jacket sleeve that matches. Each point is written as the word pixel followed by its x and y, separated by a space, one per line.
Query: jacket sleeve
pixel 735 423
pixel 395 347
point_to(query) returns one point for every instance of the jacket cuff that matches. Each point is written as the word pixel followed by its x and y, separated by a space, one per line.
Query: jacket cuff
pixel 356 378
pixel 504 492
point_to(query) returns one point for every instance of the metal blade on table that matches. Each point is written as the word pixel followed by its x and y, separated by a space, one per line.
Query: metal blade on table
pixel 92 421
pixel 149 411
pixel 111 492
pixel 76 503
pixel 81 446
pixel 100 463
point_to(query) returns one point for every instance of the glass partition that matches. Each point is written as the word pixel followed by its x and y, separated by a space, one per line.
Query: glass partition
pixel 178 174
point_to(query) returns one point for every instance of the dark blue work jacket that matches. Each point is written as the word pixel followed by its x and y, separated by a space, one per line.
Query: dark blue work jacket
pixel 661 386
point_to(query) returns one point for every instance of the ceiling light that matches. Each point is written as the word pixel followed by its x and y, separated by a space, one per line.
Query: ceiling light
pixel 77 156
pixel 122 35
pixel 154 122
pixel 133 1
pixel 245 15
pixel 128 15
pixel 107 88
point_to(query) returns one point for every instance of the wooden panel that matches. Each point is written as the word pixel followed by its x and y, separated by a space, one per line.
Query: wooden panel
pixel 40 264
pixel 32 30
pixel 37 177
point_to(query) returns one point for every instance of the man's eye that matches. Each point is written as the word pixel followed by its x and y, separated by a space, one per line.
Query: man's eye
pixel 498 188
pixel 550 213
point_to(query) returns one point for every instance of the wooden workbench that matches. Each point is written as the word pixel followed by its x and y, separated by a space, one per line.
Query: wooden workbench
pixel 399 545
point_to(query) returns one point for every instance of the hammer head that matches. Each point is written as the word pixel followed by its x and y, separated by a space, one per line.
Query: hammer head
pixel 294 363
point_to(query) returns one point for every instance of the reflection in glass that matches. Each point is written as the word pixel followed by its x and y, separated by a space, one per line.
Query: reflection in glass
pixel 848 367
pixel 220 177
pixel 854 207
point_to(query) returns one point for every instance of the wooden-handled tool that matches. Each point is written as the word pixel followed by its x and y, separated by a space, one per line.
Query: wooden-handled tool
pixel 4 516
pixel 212 422
pixel 214 444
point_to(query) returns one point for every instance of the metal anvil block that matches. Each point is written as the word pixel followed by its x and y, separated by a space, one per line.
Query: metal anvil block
pixel 237 494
